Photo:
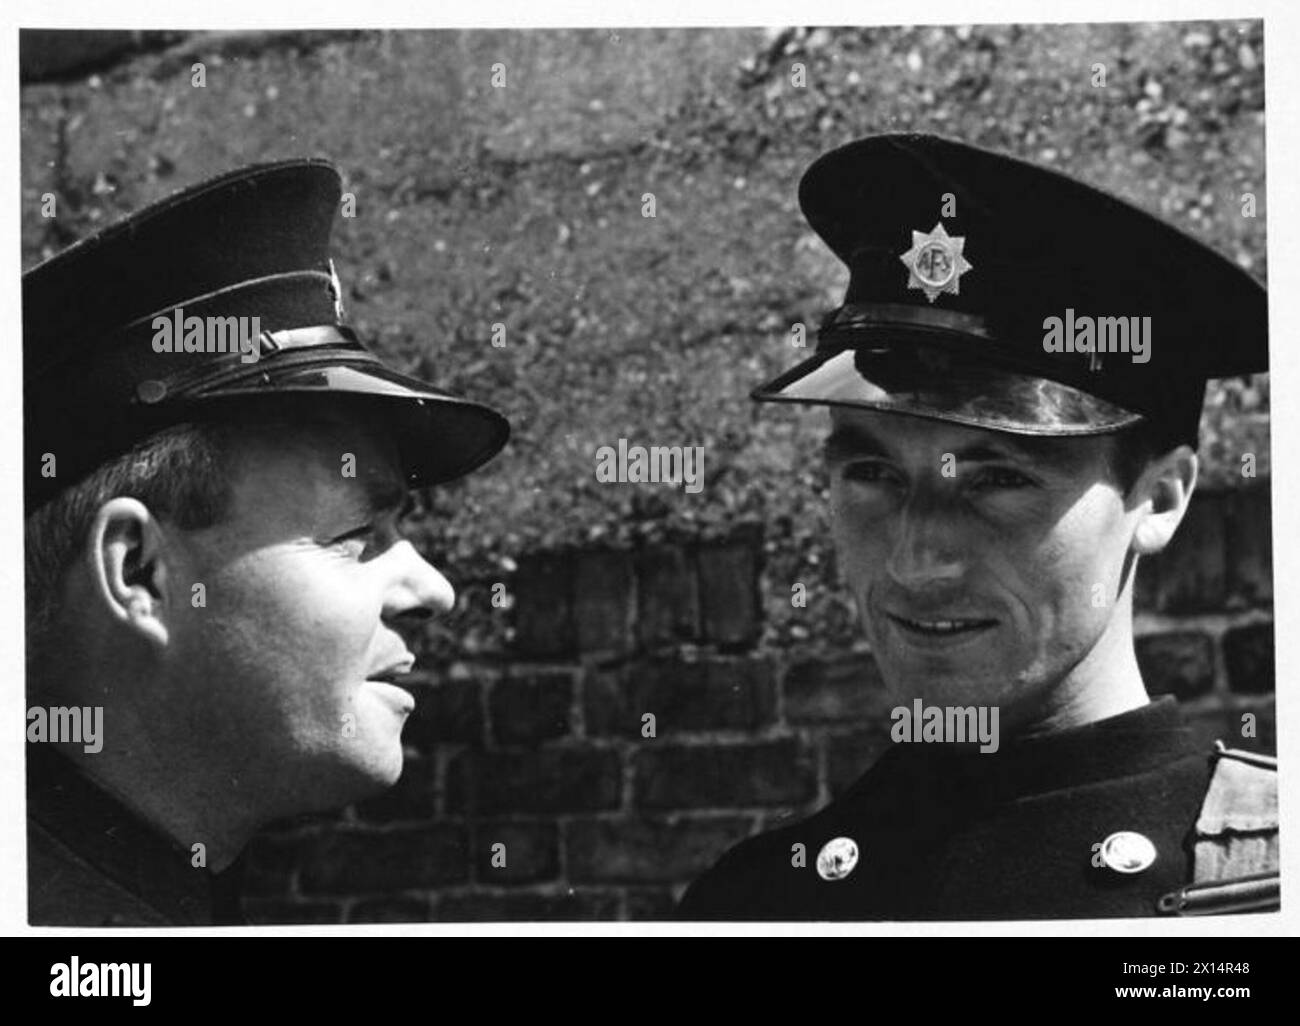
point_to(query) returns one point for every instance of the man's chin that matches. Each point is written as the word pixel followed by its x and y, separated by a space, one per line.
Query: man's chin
pixel 355 777
pixel 948 686
pixel 383 771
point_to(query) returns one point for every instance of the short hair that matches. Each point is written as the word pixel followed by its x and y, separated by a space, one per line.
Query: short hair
pixel 182 472
pixel 1133 448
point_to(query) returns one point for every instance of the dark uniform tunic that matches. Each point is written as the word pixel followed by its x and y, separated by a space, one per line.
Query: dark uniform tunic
pixel 943 834
pixel 92 862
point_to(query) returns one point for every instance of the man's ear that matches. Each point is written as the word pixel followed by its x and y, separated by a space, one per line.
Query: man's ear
pixel 1160 496
pixel 127 569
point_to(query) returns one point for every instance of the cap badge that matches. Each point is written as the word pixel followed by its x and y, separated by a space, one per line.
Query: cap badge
pixel 935 263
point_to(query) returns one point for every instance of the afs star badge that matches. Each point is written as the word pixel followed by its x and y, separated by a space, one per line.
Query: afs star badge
pixel 935 263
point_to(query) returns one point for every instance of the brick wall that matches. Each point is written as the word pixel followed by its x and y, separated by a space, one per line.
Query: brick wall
pixel 538 745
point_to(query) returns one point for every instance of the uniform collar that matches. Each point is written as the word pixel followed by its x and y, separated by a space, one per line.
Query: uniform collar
pixel 1131 743
pixel 107 835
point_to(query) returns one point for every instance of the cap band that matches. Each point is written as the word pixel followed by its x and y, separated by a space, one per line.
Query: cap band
pixel 940 383
pixel 856 316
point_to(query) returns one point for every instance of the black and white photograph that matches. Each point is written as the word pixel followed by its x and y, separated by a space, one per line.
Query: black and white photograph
pixel 813 474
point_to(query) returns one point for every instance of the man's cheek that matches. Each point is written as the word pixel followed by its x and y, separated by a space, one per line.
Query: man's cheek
pixel 1070 610
pixel 1090 575
pixel 841 526
pixel 861 563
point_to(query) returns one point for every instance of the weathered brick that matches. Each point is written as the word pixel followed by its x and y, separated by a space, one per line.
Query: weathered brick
pixel 284 912
pixel 391 910
pixel 730 610
pixel 779 818
pixel 723 776
pixel 545 780
pixel 668 602
pixel 1215 723
pixel 532 852
pixel 1190 575
pixel 1250 544
pixel 1146 585
pixel 531 708
pixel 615 700
pixel 543 612
pixel 413 797
pixel 649 903
pixel 719 693
pixel 741 692
pixel 526 907
pixel 1180 663
pixel 449 710
pixel 305 822
pixel 269 863
pixel 602 601
pixel 1248 653
pixel 848 756
pixel 835 690
pixel 356 862
pixel 647 850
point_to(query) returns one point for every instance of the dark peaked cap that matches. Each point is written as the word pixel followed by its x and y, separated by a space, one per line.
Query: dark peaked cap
pixel 251 243
pixel 944 316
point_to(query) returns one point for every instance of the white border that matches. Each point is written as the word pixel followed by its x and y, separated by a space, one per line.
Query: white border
pixel 1282 208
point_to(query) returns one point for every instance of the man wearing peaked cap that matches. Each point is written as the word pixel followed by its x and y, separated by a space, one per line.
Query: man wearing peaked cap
pixel 1014 384
pixel 217 587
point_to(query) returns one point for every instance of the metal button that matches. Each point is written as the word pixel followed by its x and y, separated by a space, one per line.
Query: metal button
pixel 1126 851
pixel 837 858
pixel 151 391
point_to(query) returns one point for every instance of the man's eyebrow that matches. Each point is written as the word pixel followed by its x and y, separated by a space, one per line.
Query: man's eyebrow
pixel 846 441
pixel 1056 454
pixel 984 451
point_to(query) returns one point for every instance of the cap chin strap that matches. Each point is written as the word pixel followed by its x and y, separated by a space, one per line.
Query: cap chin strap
pixel 282 350
pixel 298 338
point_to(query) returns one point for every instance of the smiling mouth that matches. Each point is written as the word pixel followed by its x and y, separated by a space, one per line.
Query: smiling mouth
pixel 393 691
pixel 941 628
pixel 395 672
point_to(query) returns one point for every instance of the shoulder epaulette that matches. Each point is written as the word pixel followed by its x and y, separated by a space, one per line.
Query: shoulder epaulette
pixel 1235 866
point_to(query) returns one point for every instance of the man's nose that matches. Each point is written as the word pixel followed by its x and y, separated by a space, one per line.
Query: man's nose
pixel 417 590
pixel 925 549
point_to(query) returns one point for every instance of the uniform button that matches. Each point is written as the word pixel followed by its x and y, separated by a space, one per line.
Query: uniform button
pixel 1126 851
pixel 837 858
pixel 151 391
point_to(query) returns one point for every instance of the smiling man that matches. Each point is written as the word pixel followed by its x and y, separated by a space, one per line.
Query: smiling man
pixel 1006 577
pixel 215 569
pixel 992 491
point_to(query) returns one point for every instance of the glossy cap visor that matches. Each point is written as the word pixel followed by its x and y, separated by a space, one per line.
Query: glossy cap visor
pixel 939 383
pixel 440 437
